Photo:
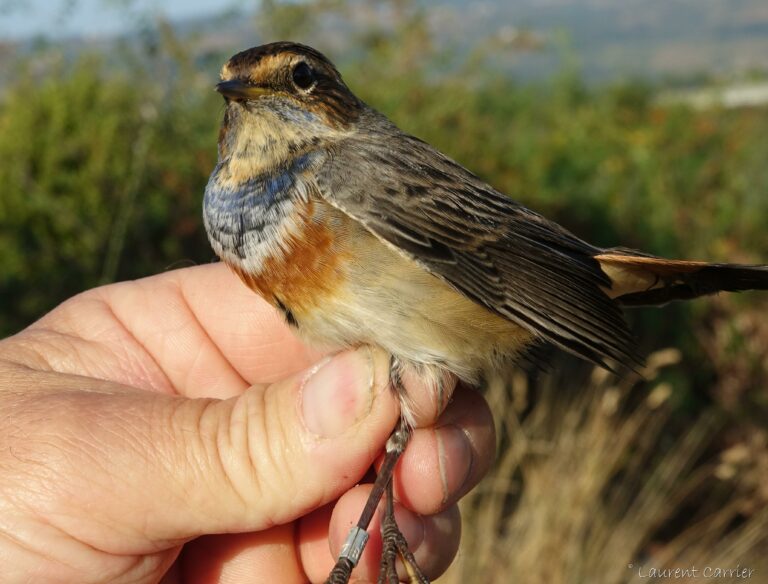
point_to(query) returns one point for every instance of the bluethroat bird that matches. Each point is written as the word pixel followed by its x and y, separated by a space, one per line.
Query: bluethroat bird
pixel 360 233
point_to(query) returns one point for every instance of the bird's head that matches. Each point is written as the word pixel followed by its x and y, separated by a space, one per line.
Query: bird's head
pixel 282 97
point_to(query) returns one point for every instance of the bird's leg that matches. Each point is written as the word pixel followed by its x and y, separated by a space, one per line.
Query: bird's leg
pixel 358 536
pixel 393 545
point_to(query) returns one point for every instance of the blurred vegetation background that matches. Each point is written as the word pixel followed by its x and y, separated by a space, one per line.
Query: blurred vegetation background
pixel 104 155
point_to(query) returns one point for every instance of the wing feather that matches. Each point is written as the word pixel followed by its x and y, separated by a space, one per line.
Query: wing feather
pixel 495 251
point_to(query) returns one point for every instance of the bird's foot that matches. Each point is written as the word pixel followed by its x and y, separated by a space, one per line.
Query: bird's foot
pixel 394 545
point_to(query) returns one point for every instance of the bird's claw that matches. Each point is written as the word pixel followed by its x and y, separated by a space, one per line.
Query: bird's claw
pixel 394 544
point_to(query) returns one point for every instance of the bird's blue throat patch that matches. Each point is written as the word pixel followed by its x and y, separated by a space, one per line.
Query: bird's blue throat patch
pixel 233 210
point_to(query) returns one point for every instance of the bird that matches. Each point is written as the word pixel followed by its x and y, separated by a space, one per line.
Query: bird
pixel 359 233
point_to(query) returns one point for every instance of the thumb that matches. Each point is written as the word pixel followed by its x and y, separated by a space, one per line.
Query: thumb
pixel 295 445
pixel 144 471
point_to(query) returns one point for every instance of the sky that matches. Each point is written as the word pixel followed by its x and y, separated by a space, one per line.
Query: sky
pixel 60 18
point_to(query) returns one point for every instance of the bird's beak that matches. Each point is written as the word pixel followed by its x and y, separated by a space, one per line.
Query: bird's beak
pixel 235 89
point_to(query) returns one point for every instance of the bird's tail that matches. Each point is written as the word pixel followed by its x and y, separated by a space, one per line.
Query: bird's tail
pixel 646 280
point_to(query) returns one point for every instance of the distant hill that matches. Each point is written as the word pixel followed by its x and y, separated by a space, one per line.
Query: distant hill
pixel 606 40
pixel 621 38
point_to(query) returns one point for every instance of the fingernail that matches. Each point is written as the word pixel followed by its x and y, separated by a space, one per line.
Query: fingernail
pixel 338 392
pixel 455 458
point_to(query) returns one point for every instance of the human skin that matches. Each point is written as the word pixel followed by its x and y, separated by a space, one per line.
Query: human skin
pixel 174 428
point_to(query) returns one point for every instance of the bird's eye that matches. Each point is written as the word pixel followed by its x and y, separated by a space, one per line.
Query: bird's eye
pixel 303 76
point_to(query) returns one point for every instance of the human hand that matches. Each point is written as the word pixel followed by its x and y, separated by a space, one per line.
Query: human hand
pixel 141 418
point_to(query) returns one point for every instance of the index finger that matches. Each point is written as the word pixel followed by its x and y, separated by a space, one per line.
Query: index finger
pixel 197 332
pixel 251 334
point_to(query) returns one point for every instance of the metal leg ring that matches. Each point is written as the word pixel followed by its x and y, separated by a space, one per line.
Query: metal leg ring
pixel 354 545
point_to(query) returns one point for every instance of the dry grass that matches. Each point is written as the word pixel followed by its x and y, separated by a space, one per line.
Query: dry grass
pixel 603 485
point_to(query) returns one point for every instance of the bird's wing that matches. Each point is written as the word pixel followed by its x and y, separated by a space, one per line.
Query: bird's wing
pixel 498 253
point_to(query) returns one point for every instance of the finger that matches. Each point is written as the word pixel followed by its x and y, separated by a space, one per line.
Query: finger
pixel 434 539
pixel 180 468
pixel 242 558
pixel 250 333
pixel 444 462
pixel 197 332
pixel 428 394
